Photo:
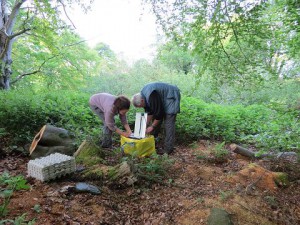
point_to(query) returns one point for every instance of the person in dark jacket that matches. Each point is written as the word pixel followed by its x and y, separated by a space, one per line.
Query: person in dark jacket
pixel 162 102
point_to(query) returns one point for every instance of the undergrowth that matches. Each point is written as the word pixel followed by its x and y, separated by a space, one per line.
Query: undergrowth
pixel 266 128
pixel 8 185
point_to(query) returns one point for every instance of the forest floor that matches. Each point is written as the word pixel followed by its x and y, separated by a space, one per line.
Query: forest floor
pixel 194 186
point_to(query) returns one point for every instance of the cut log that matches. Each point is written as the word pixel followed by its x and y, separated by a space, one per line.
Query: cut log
pixel 51 139
pixel 291 157
pixel 89 154
pixel 242 151
pixel 122 175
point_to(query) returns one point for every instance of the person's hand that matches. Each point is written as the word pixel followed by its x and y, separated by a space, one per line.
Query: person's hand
pixel 129 133
pixel 149 130
pixel 126 134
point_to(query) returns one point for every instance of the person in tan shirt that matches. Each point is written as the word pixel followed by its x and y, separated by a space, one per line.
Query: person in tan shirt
pixel 106 107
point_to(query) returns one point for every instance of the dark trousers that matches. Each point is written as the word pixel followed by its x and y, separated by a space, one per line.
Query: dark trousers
pixel 169 130
pixel 106 132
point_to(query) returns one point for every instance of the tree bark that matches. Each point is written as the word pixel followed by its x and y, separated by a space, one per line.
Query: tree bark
pixel 51 139
pixel 7 22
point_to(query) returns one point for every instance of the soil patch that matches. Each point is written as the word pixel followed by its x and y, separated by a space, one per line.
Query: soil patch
pixel 195 186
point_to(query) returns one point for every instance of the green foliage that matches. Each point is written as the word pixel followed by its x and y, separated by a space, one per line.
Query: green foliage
pixel 118 78
pixel 9 184
pixel 219 152
pixel 269 128
pixel 282 179
pixel 20 220
pixel 105 52
pixel 13 183
pixel 43 48
pixel 201 155
pixel 90 155
pixel 37 208
pixel 2 131
pixel 150 168
pixel 256 124
pixel 271 200
pixel 69 110
pixel 176 57
pixel 55 60
pixel 225 195
pixel 216 154
pixel 240 43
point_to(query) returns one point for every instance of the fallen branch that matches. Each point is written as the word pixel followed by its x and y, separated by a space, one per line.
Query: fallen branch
pixel 285 156
pixel 242 151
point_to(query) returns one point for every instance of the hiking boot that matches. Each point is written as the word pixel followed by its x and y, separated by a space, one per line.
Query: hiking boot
pixel 161 151
pixel 106 146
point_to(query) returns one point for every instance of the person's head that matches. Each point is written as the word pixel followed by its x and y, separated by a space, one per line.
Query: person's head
pixel 122 104
pixel 138 101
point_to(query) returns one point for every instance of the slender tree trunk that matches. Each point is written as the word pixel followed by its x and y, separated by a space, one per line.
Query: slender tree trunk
pixel 6 70
pixel 4 78
pixel 7 22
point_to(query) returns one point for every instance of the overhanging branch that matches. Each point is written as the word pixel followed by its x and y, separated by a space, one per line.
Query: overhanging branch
pixel 228 57
pixel 65 11
pixel 12 17
pixel 9 38
pixel 19 77
pixel 235 33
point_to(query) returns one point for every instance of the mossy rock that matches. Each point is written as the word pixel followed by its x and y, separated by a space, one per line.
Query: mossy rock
pixel 89 154
pixel 281 179
pixel 219 217
pixel 97 172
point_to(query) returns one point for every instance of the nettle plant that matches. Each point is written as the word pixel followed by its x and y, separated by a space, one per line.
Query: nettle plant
pixel 153 168
pixel 9 184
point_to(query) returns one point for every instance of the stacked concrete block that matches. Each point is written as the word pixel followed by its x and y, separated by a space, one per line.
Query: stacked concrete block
pixel 51 167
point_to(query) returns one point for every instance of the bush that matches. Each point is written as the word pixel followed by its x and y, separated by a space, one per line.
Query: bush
pixel 255 124
pixel 23 114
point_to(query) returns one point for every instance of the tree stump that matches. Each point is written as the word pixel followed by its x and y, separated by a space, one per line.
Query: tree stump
pixel 51 139
pixel 121 175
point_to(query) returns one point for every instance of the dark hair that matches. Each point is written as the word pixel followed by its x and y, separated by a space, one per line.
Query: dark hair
pixel 122 102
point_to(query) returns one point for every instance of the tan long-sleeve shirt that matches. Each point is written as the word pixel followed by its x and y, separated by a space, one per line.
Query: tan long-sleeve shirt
pixel 104 102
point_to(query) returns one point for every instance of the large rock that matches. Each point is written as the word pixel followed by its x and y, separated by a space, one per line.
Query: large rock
pixel 51 139
pixel 219 217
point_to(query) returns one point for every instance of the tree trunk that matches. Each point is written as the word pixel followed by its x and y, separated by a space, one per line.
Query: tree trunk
pixel 7 22
pixel 52 139
pixel 6 70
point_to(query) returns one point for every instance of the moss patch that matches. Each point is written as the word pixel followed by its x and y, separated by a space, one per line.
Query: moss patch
pixel 89 154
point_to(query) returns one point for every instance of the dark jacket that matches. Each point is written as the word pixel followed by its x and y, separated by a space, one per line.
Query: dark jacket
pixel 170 96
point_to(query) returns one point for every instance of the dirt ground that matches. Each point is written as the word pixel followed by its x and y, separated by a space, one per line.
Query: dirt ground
pixel 197 186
